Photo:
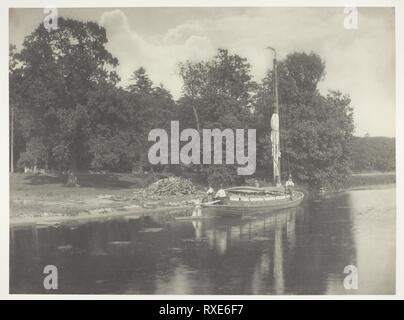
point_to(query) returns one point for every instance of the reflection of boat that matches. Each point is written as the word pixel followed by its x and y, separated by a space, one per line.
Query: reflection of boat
pixel 241 200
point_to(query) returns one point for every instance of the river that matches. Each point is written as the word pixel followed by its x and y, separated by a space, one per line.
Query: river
pixel 298 251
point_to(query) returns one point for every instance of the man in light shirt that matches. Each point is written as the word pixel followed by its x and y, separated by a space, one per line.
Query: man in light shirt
pixel 210 193
pixel 221 195
pixel 289 184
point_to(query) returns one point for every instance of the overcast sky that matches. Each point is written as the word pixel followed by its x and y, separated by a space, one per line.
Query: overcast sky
pixel 360 62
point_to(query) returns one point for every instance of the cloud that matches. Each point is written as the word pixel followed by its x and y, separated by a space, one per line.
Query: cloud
pixel 159 55
pixel 182 32
pixel 359 62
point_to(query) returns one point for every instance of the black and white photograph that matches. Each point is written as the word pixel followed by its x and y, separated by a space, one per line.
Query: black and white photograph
pixel 202 150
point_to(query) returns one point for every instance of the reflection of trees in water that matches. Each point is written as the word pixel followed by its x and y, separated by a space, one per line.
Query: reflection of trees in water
pixel 269 271
pixel 246 256
pixel 291 251
pixel 91 258
pixel 287 252
pixel 24 257
pixel 279 281
pixel 117 257
pixel 324 246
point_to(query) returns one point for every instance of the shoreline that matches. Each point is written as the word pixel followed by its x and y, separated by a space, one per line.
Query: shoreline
pixel 358 188
pixel 56 220
pixel 122 212
pixel 371 187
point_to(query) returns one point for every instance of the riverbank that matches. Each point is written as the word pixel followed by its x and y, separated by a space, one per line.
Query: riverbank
pixel 358 181
pixel 44 199
pixel 371 178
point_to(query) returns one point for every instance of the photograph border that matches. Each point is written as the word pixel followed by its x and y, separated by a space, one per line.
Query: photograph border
pixel 4 141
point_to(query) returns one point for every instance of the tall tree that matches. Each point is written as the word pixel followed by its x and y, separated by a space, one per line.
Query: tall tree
pixel 217 94
pixel 13 86
pixel 194 76
pixel 112 133
pixel 141 82
pixel 316 131
pixel 220 90
pixel 151 107
pixel 58 70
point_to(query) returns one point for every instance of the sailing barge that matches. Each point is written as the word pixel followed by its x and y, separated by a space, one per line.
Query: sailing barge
pixel 247 199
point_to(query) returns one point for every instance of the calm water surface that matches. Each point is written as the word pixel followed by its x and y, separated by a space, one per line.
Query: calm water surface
pixel 299 251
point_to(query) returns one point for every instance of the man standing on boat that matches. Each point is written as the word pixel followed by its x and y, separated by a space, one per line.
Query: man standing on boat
pixel 289 184
pixel 221 195
pixel 210 194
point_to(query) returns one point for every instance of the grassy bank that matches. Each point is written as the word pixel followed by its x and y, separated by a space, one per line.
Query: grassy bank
pixel 371 178
pixel 47 196
pixel 99 195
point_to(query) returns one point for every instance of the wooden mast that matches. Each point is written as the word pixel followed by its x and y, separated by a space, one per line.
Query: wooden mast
pixel 276 154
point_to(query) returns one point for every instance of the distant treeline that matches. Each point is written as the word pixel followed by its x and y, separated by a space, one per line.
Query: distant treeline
pixel 373 154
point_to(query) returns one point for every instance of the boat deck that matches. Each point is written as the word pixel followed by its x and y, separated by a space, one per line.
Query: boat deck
pixel 256 204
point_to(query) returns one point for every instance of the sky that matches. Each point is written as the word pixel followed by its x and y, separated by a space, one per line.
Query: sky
pixel 359 62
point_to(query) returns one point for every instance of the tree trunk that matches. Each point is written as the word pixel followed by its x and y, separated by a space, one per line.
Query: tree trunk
pixel 72 180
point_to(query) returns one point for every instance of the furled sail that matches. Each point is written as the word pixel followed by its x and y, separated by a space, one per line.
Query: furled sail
pixel 276 152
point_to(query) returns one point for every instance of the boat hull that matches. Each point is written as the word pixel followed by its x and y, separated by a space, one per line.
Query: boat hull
pixel 237 208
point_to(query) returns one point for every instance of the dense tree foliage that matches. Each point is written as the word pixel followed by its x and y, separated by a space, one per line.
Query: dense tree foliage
pixel 316 130
pixel 57 72
pixel 65 98
pixel 217 94
pixel 374 154
pixel 70 113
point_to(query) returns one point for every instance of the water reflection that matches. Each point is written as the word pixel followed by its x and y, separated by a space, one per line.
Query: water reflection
pixel 297 251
